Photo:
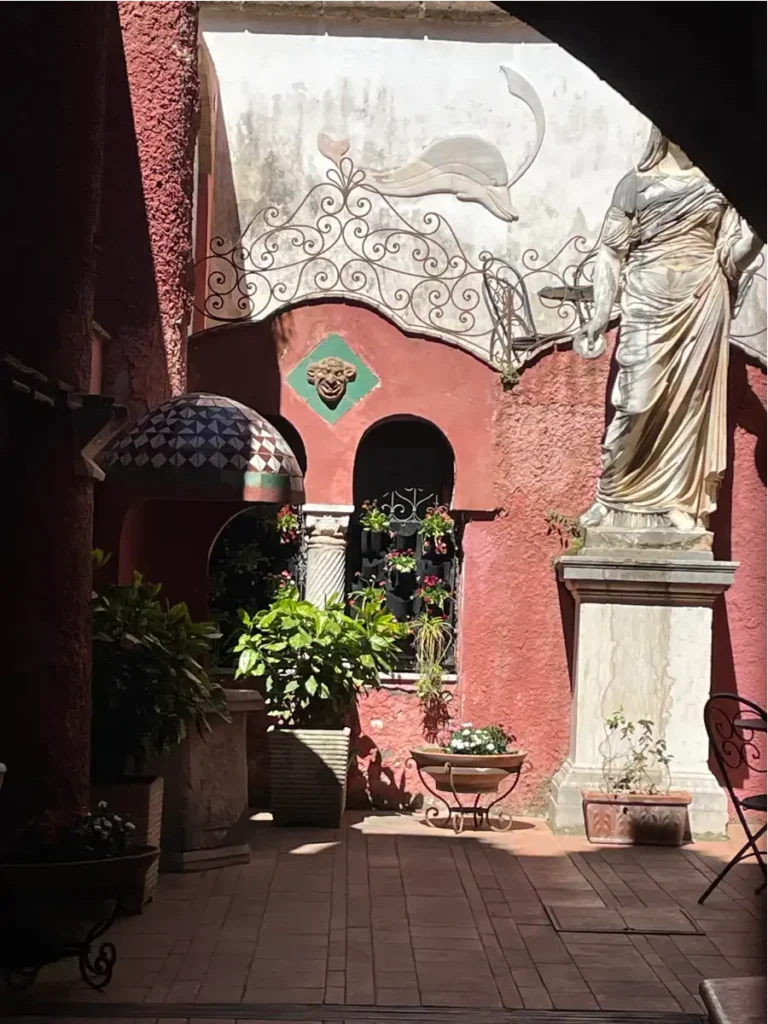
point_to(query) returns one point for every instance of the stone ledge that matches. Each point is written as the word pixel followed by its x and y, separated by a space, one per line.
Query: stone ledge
pixel 464 11
pixel 615 579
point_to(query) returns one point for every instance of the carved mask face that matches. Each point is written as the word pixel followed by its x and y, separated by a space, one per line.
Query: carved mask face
pixel 330 376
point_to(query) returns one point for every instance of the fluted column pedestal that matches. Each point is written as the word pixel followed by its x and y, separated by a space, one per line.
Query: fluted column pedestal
pixel 326 530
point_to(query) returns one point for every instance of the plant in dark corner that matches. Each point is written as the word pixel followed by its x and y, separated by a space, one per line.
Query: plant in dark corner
pixel 373 519
pixel 148 681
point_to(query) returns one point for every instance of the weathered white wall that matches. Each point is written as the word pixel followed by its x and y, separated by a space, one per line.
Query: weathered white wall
pixel 391 92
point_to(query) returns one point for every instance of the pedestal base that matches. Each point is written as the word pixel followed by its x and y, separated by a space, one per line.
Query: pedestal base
pixel 643 645
pixel 707 814
pixel 205 860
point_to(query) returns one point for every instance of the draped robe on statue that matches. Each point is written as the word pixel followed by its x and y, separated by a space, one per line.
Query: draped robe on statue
pixel 665 448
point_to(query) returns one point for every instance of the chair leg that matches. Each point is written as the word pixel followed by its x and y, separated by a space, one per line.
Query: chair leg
pixel 726 869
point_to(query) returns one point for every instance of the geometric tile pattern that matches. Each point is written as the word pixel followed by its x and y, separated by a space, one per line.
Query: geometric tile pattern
pixel 198 431
pixel 364 382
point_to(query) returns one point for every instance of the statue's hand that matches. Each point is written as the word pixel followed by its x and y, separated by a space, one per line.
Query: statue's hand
pixel 589 342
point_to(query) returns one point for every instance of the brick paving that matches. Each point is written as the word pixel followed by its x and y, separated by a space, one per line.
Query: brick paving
pixel 388 913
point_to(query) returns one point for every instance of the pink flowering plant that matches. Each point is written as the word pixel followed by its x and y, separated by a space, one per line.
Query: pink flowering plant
pixel 288 524
pixel 436 527
pixel 434 592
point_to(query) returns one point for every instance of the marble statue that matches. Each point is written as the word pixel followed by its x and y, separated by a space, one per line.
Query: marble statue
pixel 671 252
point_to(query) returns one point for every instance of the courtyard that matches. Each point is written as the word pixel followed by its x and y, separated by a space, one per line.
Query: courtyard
pixel 386 916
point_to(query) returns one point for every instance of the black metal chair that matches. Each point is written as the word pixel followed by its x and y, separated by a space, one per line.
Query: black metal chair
pixel 735 726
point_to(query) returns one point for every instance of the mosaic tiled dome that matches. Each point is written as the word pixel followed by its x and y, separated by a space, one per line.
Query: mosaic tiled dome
pixel 202 446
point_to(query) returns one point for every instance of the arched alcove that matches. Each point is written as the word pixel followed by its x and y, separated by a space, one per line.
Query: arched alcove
pixel 405 466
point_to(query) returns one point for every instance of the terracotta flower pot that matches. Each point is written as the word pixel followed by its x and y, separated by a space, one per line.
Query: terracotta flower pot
pixel 636 819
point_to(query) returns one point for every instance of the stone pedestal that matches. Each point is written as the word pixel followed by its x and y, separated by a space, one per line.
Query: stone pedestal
pixel 326 530
pixel 206 814
pixel 643 642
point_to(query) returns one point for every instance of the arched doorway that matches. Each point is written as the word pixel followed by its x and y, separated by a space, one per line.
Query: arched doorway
pixel 405 468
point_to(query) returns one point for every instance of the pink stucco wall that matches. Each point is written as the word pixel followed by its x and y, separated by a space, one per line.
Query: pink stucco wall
pixel 518 454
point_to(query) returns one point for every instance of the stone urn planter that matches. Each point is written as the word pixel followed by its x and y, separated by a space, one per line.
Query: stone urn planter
pixel 308 776
pixel 139 798
pixel 630 819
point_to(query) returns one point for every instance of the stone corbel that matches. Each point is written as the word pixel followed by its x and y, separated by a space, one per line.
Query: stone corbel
pixel 97 423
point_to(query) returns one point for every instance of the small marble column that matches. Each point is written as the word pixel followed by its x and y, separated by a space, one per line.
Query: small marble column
pixel 326 530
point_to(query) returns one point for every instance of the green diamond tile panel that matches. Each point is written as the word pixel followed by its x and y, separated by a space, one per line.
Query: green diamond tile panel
pixel 356 390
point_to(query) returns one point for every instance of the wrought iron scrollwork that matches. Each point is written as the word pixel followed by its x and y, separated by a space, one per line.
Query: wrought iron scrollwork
pixel 346 239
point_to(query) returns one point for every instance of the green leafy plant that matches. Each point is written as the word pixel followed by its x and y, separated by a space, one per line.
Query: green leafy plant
pixel 148 681
pixel 435 527
pixel 642 760
pixel 373 518
pixel 401 561
pixel 434 592
pixel 314 661
pixel 510 377
pixel 489 739
pixel 61 839
pixel 568 530
pixel 432 638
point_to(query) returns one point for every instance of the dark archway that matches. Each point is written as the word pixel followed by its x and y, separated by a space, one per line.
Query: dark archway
pixel 699 77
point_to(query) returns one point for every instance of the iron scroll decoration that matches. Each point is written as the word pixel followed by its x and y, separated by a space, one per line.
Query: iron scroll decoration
pixel 346 239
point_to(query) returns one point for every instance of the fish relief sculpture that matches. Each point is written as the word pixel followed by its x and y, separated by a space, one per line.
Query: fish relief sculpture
pixel 465 166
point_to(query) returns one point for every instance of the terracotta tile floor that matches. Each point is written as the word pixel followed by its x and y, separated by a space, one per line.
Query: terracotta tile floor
pixel 386 912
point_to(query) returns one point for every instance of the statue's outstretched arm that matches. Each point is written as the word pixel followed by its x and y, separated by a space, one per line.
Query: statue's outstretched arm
pixel 612 250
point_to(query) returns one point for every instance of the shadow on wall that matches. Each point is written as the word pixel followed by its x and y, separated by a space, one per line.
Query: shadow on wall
pixel 135 369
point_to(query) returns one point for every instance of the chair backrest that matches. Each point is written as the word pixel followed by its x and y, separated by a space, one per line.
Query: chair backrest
pixel 740 751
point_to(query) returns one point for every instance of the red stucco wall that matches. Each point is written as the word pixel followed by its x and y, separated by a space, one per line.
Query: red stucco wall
pixel 160 42
pixel 519 453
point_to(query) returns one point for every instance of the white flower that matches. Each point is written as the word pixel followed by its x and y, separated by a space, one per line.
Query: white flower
pixel 490 747
pixel 458 745
pixel 130 827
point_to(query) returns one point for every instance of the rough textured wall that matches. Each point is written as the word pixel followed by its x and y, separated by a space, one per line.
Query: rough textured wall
pixel 160 40
pixel 540 446
pixel 53 137
pixel 134 358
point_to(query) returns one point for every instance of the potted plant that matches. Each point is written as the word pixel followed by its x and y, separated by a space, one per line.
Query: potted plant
pixel 148 687
pixel 635 805
pixel 312 663
pixel 434 593
pixel 400 568
pixel 436 532
pixel 288 524
pixel 58 880
pixel 374 523
pixel 489 747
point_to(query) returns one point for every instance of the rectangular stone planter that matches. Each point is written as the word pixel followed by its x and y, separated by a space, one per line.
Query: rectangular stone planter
pixel 636 819
pixel 308 771
pixel 206 819
pixel 141 799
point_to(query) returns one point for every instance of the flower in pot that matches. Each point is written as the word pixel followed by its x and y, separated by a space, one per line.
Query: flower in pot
pixel 288 524
pixel 148 687
pixel 434 592
pixel 312 663
pixel 58 877
pixel 400 563
pixel 635 805
pixel 374 523
pixel 454 763
pixel 436 529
